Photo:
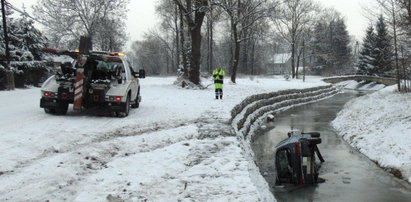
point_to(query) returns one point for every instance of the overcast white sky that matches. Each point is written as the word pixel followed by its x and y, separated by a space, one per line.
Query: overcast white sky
pixel 352 10
pixel 141 15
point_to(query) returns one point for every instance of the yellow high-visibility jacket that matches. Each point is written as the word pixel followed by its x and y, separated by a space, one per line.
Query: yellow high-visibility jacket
pixel 218 75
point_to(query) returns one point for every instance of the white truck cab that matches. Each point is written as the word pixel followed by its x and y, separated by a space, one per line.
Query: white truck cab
pixel 100 80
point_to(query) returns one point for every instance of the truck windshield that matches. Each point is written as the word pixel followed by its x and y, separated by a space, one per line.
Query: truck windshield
pixel 107 70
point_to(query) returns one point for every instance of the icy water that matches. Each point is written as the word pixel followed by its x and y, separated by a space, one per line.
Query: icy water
pixel 349 175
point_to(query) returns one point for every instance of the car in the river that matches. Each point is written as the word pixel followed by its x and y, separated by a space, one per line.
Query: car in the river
pixel 295 159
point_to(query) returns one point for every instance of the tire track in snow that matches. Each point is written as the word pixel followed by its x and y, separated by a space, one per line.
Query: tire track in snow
pixel 129 131
pixel 87 159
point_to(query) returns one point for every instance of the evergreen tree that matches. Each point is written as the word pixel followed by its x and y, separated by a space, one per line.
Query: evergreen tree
pixel 377 52
pixel 321 48
pixel 331 46
pixel 29 38
pixel 340 41
pixel 383 48
pixel 9 12
pixel 367 61
pixel 25 41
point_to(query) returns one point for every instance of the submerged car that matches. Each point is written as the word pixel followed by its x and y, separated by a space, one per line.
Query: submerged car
pixel 295 159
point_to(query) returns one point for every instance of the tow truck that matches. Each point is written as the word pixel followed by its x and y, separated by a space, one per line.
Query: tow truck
pixel 295 159
pixel 93 79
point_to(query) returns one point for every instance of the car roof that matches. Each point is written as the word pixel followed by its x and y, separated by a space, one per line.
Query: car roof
pixel 293 139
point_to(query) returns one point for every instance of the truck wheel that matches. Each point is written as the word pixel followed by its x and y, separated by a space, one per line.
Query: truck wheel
pixel 62 110
pixel 49 111
pixel 127 109
pixel 136 103
pixel 113 114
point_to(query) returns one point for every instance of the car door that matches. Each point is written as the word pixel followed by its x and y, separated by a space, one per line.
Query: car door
pixel 132 81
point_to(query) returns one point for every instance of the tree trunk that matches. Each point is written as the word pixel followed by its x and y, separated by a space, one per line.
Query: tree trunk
pixel 195 22
pixel 10 85
pixel 177 42
pixel 253 57
pixel 303 48
pixel 298 64
pixel 244 54
pixel 235 61
pixel 194 74
pixel 183 49
pixel 210 39
pixel 211 46
pixel 236 52
pixel 396 48
pixel 293 59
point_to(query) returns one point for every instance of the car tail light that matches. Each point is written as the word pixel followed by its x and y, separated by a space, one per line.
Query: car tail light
pixel 46 94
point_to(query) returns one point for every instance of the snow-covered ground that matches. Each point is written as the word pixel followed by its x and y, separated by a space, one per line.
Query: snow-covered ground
pixel 379 126
pixel 178 146
pixel 361 86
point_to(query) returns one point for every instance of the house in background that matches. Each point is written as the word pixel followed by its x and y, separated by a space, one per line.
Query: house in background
pixel 281 64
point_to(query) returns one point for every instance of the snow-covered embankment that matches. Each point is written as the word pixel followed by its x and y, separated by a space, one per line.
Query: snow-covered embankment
pixel 379 126
pixel 250 113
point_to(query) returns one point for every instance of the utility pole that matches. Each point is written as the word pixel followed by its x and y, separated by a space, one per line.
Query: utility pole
pixel 9 73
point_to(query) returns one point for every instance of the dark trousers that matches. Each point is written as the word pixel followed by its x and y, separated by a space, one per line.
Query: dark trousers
pixel 219 93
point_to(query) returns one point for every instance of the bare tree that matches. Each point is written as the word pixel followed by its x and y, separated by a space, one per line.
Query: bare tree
pixel 67 20
pixel 194 12
pixel 391 10
pixel 213 16
pixel 292 19
pixel 405 24
pixel 153 53
pixel 111 35
pixel 242 14
pixel 172 30
pixel 251 57
pixel 174 27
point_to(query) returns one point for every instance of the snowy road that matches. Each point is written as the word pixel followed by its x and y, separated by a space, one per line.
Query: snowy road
pixel 174 147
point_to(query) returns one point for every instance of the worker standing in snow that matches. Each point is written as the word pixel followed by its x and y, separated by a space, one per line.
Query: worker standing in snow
pixel 218 75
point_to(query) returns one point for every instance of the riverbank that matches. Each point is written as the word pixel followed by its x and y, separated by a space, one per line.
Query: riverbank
pixel 178 146
pixel 379 126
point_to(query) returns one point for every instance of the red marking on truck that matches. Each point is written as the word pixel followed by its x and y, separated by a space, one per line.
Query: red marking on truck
pixel 78 89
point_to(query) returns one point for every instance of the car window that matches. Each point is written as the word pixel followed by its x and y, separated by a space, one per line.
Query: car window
pixel 283 163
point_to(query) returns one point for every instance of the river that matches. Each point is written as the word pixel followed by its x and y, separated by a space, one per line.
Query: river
pixel 349 175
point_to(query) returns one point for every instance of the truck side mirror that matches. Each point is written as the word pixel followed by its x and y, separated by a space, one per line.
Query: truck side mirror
pixel 141 73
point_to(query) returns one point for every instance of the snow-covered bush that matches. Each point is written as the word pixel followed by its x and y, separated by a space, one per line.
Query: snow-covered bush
pixel 30 74
pixel 25 48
